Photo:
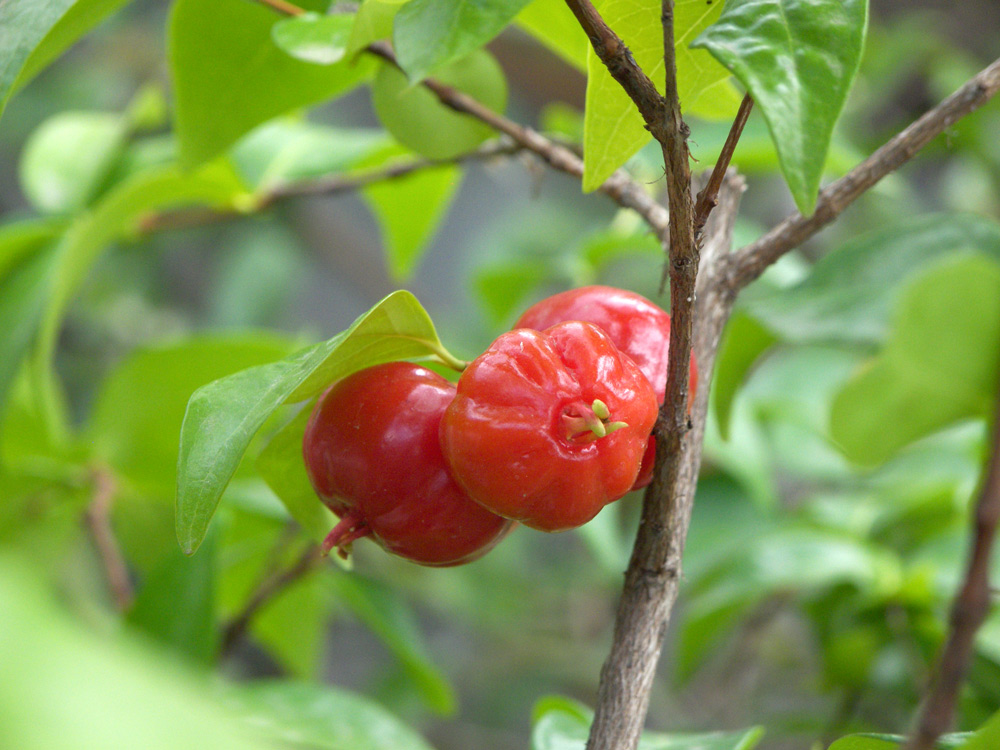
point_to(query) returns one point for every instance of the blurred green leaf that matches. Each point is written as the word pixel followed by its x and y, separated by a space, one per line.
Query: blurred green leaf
pixel 415 117
pixel 176 605
pixel 314 38
pixel 613 128
pixel 798 58
pixel 744 342
pixel 893 741
pixel 114 216
pixel 552 23
pixel 430 34
pixel 986 737
pixel 68 157
pixel 222 417
pixel 372 22
pixel 252 80
pixel 851 291
pixel 281 465
pixel 287 150
pixel 38 31
pixel 409 209
pixel 389 617
pixel 565 725
pixel 503 287
pixel 322 718
pixel 939 366
pixel 136 696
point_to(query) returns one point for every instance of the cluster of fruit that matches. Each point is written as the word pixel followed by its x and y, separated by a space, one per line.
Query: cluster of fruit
pixel 550 424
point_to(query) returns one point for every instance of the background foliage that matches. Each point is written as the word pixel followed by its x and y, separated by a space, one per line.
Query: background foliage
pixel 830 523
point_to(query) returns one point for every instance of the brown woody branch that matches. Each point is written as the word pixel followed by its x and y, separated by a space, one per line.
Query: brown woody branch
pixel 98 520
pixel 968 612
pixel 751 261
pixel 270 587
pixel 708 197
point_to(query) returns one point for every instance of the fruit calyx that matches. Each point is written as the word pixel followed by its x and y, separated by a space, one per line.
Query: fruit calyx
pixel 352 526
pixel 584 423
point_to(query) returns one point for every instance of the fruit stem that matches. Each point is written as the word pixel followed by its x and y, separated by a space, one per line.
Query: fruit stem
pixel 447 358
pixel 351 526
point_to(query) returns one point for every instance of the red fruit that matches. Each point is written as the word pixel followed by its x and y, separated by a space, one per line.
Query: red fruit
pixel 372 453
pixel 549 427
pixel 638 327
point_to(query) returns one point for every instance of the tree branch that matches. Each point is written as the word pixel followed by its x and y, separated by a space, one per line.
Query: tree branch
pixel 617 58
pixel 968 611
pixel 708 197
pixel 98 519
pixel 270 587
pixel 751 261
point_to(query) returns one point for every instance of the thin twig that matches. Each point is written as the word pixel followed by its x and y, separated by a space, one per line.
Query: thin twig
pixel 751 261
pixel 617 58
pixel 270 587
pixel 98 518
pixel 620 187
pixel 283 7
pixel 333 185
pixel 968 612
pixel 708 198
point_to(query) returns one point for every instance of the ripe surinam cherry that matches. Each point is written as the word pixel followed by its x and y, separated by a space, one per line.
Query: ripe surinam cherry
pixel 372 453
pixel 638 327
pixel 549 427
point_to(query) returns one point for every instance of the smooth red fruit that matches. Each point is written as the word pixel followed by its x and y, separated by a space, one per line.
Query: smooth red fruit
pixel 522 436
pixel 372 453
pixel 638 327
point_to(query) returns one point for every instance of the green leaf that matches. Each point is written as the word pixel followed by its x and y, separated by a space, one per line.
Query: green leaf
pixel 744 342
pixel 222 417
pixel 409 209
pixel 137 697
pixel 291 150
pixel 798 58
pixel 372 22
pixel 251 79
pixel 850 293
pixel 613 128
pixel 893 741
pixel 38 31
pixel 313 38
pixel 502 288
pixel 430 34
pixel 68 157
pixel 140 442
pixel 117 214
pixel 176 605
pixel 18 239
pixel 939 366
pixel 561 724
pixel 552 23
pixel 280 464
pixel 322 718
pixel 986 737
pixel 415 117
pixel 389 617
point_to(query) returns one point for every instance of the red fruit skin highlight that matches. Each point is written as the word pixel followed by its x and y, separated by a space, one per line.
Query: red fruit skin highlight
pixel 372 453
pixel 637 326
pixel 506 438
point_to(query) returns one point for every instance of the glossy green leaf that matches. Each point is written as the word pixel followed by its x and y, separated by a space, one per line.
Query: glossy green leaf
pixel 561 724
pixel 116 215
pixel 744 342
pixel 552 23
pixel 251 79
pixel 282 467
pixel 939 366
pixel 223 416
pixel 176 605
pixel 849 294
pixel 613 128
pixel 798 58
pixel 430 34
pixel 409 210
pixel 140 442
pixel 322 717
pixel 314 38
pixel 136 696
pixel 389 617
pixel 415 117
pixel 67 158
